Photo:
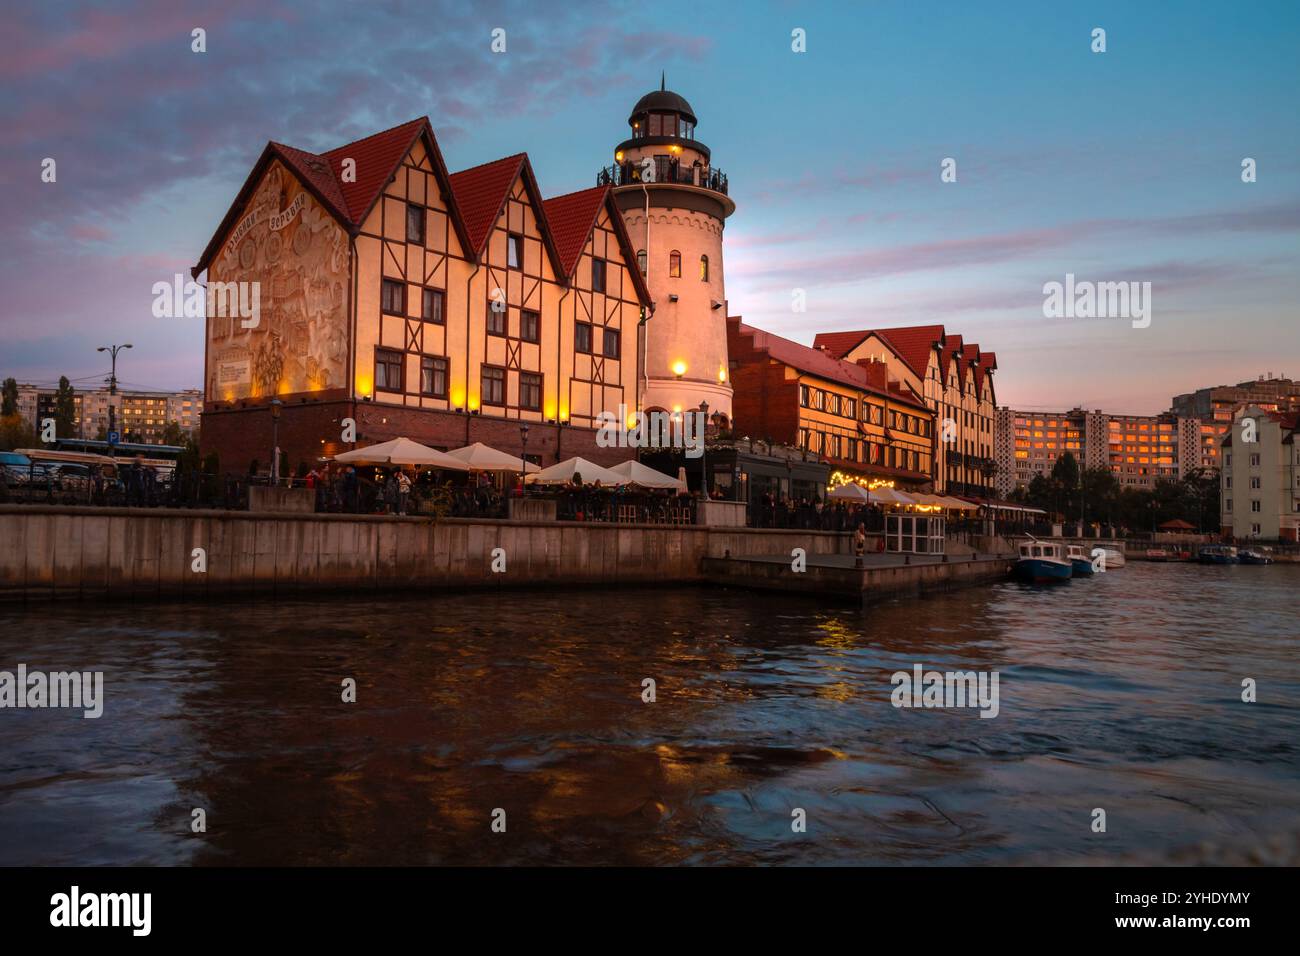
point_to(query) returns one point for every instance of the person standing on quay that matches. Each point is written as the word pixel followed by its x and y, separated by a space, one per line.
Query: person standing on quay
pixel 403 491
pixel 860 542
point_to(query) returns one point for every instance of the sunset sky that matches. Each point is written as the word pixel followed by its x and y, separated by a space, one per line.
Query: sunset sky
pixel 1124 165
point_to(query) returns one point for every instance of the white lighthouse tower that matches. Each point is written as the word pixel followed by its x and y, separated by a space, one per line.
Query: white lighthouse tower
pixel 675 204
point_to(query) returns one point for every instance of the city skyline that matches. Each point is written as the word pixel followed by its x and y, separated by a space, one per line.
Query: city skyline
pixel 152 139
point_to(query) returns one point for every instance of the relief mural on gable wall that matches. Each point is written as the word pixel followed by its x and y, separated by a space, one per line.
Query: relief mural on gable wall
pixel 298 253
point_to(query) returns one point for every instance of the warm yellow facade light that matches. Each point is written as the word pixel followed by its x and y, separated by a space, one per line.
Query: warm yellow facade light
pixel 618 157
pixel 679 368
pixel 722 373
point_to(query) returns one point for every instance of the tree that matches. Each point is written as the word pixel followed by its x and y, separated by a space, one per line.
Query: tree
pixel 65 409
pixel 1065 482
pixel 172 434
pixel 1099 489
pixel 16 432
pixel 9 398
pixel 1203 489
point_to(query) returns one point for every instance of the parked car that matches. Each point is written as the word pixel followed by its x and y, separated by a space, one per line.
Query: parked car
pixel 18 470
pixel 71 477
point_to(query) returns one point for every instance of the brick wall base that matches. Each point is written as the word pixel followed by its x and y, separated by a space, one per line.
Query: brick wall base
pixel 308 431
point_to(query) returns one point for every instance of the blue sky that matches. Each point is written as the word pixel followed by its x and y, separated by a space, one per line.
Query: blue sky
pixel 1123 165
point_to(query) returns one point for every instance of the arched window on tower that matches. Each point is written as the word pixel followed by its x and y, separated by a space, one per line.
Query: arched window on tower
pixel 675 264
pixel 641 260
pixel 704 268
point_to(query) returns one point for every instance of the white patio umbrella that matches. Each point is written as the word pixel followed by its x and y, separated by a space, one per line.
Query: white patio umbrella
pixel 635 473
pixel 481 457
pixel 957 504
pixel 401 451
pixel 851 493
pixel 888 496
pixel 563 473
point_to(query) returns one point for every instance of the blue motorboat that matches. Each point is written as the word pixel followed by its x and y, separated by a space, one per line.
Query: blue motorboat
pixel 1080 563
pixel 1217 554
pixel 1041 562
pixel 1251 556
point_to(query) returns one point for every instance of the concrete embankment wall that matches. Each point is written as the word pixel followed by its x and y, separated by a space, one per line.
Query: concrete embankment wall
pixel 49 552
pixel 868 584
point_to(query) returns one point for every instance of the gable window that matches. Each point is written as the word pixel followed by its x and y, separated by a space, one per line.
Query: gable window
pixel 530 391
pixel 433 376
pixel 493 385
pixel 641 261
pixel 388 370
pixel 392 297
pixel 415 223
pixel 530 326
pixel 704 268
pixel 582 337
pixel 611 343
pixel 597 275
pixel 496 317
pixel 675 264
pixel 514 251
pixel 431 305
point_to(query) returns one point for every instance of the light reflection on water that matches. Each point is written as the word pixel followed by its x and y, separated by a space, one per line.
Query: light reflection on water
pixel 1121 692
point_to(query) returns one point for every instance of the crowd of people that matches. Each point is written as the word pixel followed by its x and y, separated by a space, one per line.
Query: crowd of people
pixel 770 511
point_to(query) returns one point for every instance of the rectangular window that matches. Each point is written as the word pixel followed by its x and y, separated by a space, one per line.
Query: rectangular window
pixel 433 376
pixel 597 275
pixel 388 370
pixel 803 396
pixel 496 318
pixel 530 391
pixel 392 297
pixel 415 223
pixel 611 343
pixel 582 337
pixel 431 303
pixel 514 251
pixel 1254 505
pixel 530 326
pixel 493 385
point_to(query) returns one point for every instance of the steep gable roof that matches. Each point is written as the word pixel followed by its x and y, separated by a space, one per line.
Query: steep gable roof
pixel 816 362
pixel 913 344
pixel 377 159
pixel 482 192
pixel 838 344
pixel 573 218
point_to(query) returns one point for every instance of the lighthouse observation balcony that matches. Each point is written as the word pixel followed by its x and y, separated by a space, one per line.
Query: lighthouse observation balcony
pixel 666 171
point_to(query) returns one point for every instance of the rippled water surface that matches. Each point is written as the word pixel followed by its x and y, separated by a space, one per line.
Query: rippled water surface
pixel 1121 692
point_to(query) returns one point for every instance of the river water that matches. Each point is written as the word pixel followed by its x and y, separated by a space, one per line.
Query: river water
pixel 1121 692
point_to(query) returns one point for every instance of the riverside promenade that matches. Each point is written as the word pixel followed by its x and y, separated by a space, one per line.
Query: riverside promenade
pixel 53 552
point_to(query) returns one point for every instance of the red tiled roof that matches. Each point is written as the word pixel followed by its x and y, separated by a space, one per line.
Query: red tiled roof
pixel 951 344
pixel 315 170
pixel 838 344
pixel 816 362
pixel 913 344
pixel 481 191
pixel 376 157
pixel 572 217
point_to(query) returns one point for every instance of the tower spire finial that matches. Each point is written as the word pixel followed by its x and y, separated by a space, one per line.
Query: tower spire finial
pixel 662 80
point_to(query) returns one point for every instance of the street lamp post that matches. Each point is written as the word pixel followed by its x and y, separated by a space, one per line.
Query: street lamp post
pixel 275 440
pixel 523 458
pixel 704 442
pixel 112 390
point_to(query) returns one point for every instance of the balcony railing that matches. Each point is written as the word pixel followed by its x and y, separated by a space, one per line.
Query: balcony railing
pixel 664 170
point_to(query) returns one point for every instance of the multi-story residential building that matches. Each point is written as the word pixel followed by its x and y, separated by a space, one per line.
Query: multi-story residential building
pixel 141 416
pixel 1138 449
pixel 449 308
pixel 868 425
pixel 1217 407
pixel 1259 494
pixel 955 379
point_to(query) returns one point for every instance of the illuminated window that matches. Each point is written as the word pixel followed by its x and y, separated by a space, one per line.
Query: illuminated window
pixel 675 264
pixel 704 268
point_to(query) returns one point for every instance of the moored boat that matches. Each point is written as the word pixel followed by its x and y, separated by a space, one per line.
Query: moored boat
pixel 1080 563
pixel 1217 554
pixel 1114 558
pixel 1157 554
pixel 1041 562
pixel 1251 556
